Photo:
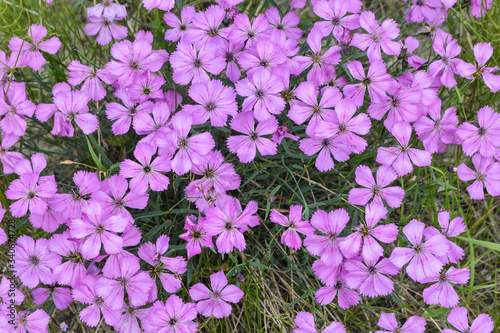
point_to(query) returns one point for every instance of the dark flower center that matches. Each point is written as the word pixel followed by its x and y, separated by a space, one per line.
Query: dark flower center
pixel 173 321
pixel 197 63
pixel 182 27
pixel 481 131
pixel 372 270
pixel 264 63
pixel 335 21
pixel 147 169
pixel 212 32
pixel 325 143
pixel 77 257
pixel 366 81
pixel 146 91
pixel 31 195
pixel 196 235
pixel 211 106
pixel 34 260
pixel 259 94
pixel 254 136
pixel 229 226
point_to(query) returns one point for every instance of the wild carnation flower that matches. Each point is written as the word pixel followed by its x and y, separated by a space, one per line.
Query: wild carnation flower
pixel 230 52
pixel 246 146
pixel 173 316
pixel 229 221
pixel 411 45
pixel 445 68
pixel 369 276
pixel 196 236
pixel 205 30
pixel 414 324
pixel 31 55
pixel 380 36
pixel 96 228
pixel 378 190
pixel 326 147
pixel 449 228
pixel 442 292
pixel 9 158
pixel 48 221
pixel 421 10
pixel 191 64
pixel 36 321
pixel 487 173
pixel 217 102
pixel 106 28
pixel 34 261
pixel 108 8
pixel 459 320
pixel 92 85
pixel 331 225
pixel 72 271
pixel 422 255
pixel 146 172
pixel 16 297
pixel 345 296
pixel 244 31
pixel 30 190
pixel 377 81
pixel 60 296
pixel 287 24
pixel 13 109
pixel 335 14
pixel 484 137
pixel 264 54
pixel 294 224
pixel 124 114
pixel 165 5
pixel 73 107
pixel 364 239
pixel 154 123
pixel 478 7
pixel 146 86
pixel 305 324
pixel 215 302
pixel 179 27
pixel 281 133
pixel 402 156
pixel 483 52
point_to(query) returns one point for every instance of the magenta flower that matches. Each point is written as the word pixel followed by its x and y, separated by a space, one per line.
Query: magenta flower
pixel 483 53
pixel 294 224
pixel 369 277
pixel 72 271
pixel 36 164
pixel 229 221
pixel 308 106
pixel 191 64
pixel 326 147
pixel 108 8
pixel 30 190
pixel 482 138
pixel 31 55
pixel 154 123
pixel 36 321
pixel 448 49
pixel 328 274
pixel 345 296
pixel 414 324
pixel 165 5
pixel 146 86
pixel 216 102
pixel 60 296
pixel 421 256
pixel 478 7
pixel 16 297
pixel 402 156
pixel 327 246
pixel 9 158
pixel 377 81
pixel 48 221
pixel 196 236
pixel 92 85
pixel 13 110
pixel 458 319
pixel 244 31
pixel 98 228
pixel 86 292
pixel 34 261
pixel 487 173
pixel 365 238
pixel 263 95
pixel 230 52
pixel 73 106
pixel 412 44
pixel 378 190
pixel 124 114
pixel 335 14
pixel 438 131
pixel 137 283
pixel 281 133
pixel 173 316
pixel 442 292
pixel 246 146
pixel 215 302
pixel 422 10
pixel 106 28
pixel 449 229
pixel 146 172
pixel 287 24
pixel 116 197
pixel 179 27
pixel 205 31
pixel 380 36
pixel 305 323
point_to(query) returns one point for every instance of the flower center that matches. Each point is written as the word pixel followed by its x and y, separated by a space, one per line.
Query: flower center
pixel 196 235
pixel 34 261
pixel 211 106
pixel 31 195
pixel 197 63
pixel 147 169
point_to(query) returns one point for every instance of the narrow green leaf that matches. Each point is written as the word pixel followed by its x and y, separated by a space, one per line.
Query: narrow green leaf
pixel 94 156
pixel 489 245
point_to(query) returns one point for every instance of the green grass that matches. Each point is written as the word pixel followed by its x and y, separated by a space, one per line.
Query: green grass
pixel 278 281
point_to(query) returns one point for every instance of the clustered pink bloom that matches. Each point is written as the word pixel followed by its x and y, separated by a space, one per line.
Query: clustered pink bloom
pixel 294 224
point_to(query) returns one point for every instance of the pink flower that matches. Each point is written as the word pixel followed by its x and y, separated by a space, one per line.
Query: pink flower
pixel 36 321
pixel 230 52
pixel 264 54
pixel 72 271
pixel 30 190
pixel 191 64
pixel 146 86
pixel 422 10
pixel 146 172
pixel 478 7
pixel 483 53
pixel 365 238
pixel 154 123
pixel 345 296
pixel 377 81
pixel 327 246
pixel 449 229
pixel 60 296
pixel 402 156
pixel 73 106
pixel 36 164
pixel 205 30
pixel 369 277
pixel 109 9
pixel 458 319
pixel 294 224
pixel 244 31
pixel 124 114
pixel 246 146
pixel 106 28
pixel 9 158
pixel 8 295
pixel 422 255
pixel 281 133
pixel 287 24
pixel 96 228
pixel 173 316
pixel 217 102
pixel 438 131
pixel 34 261
pixel 380 36
pixel 305 324
pixel 92 85
pixel 263 95
pixel 413 60
pixel 229 221
pixel 487 173
pixel 334 12
pixel 13 110
pixel 326 147
pixel 448 49
pixel 378 190
pixel 166 5
pixel 483 138
pixel 179 27
pixel 215 302
pixel 442 293
pixel 50 220
pixel 196 236
pixel 86 292
pixel 31 55
pixel 414 324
